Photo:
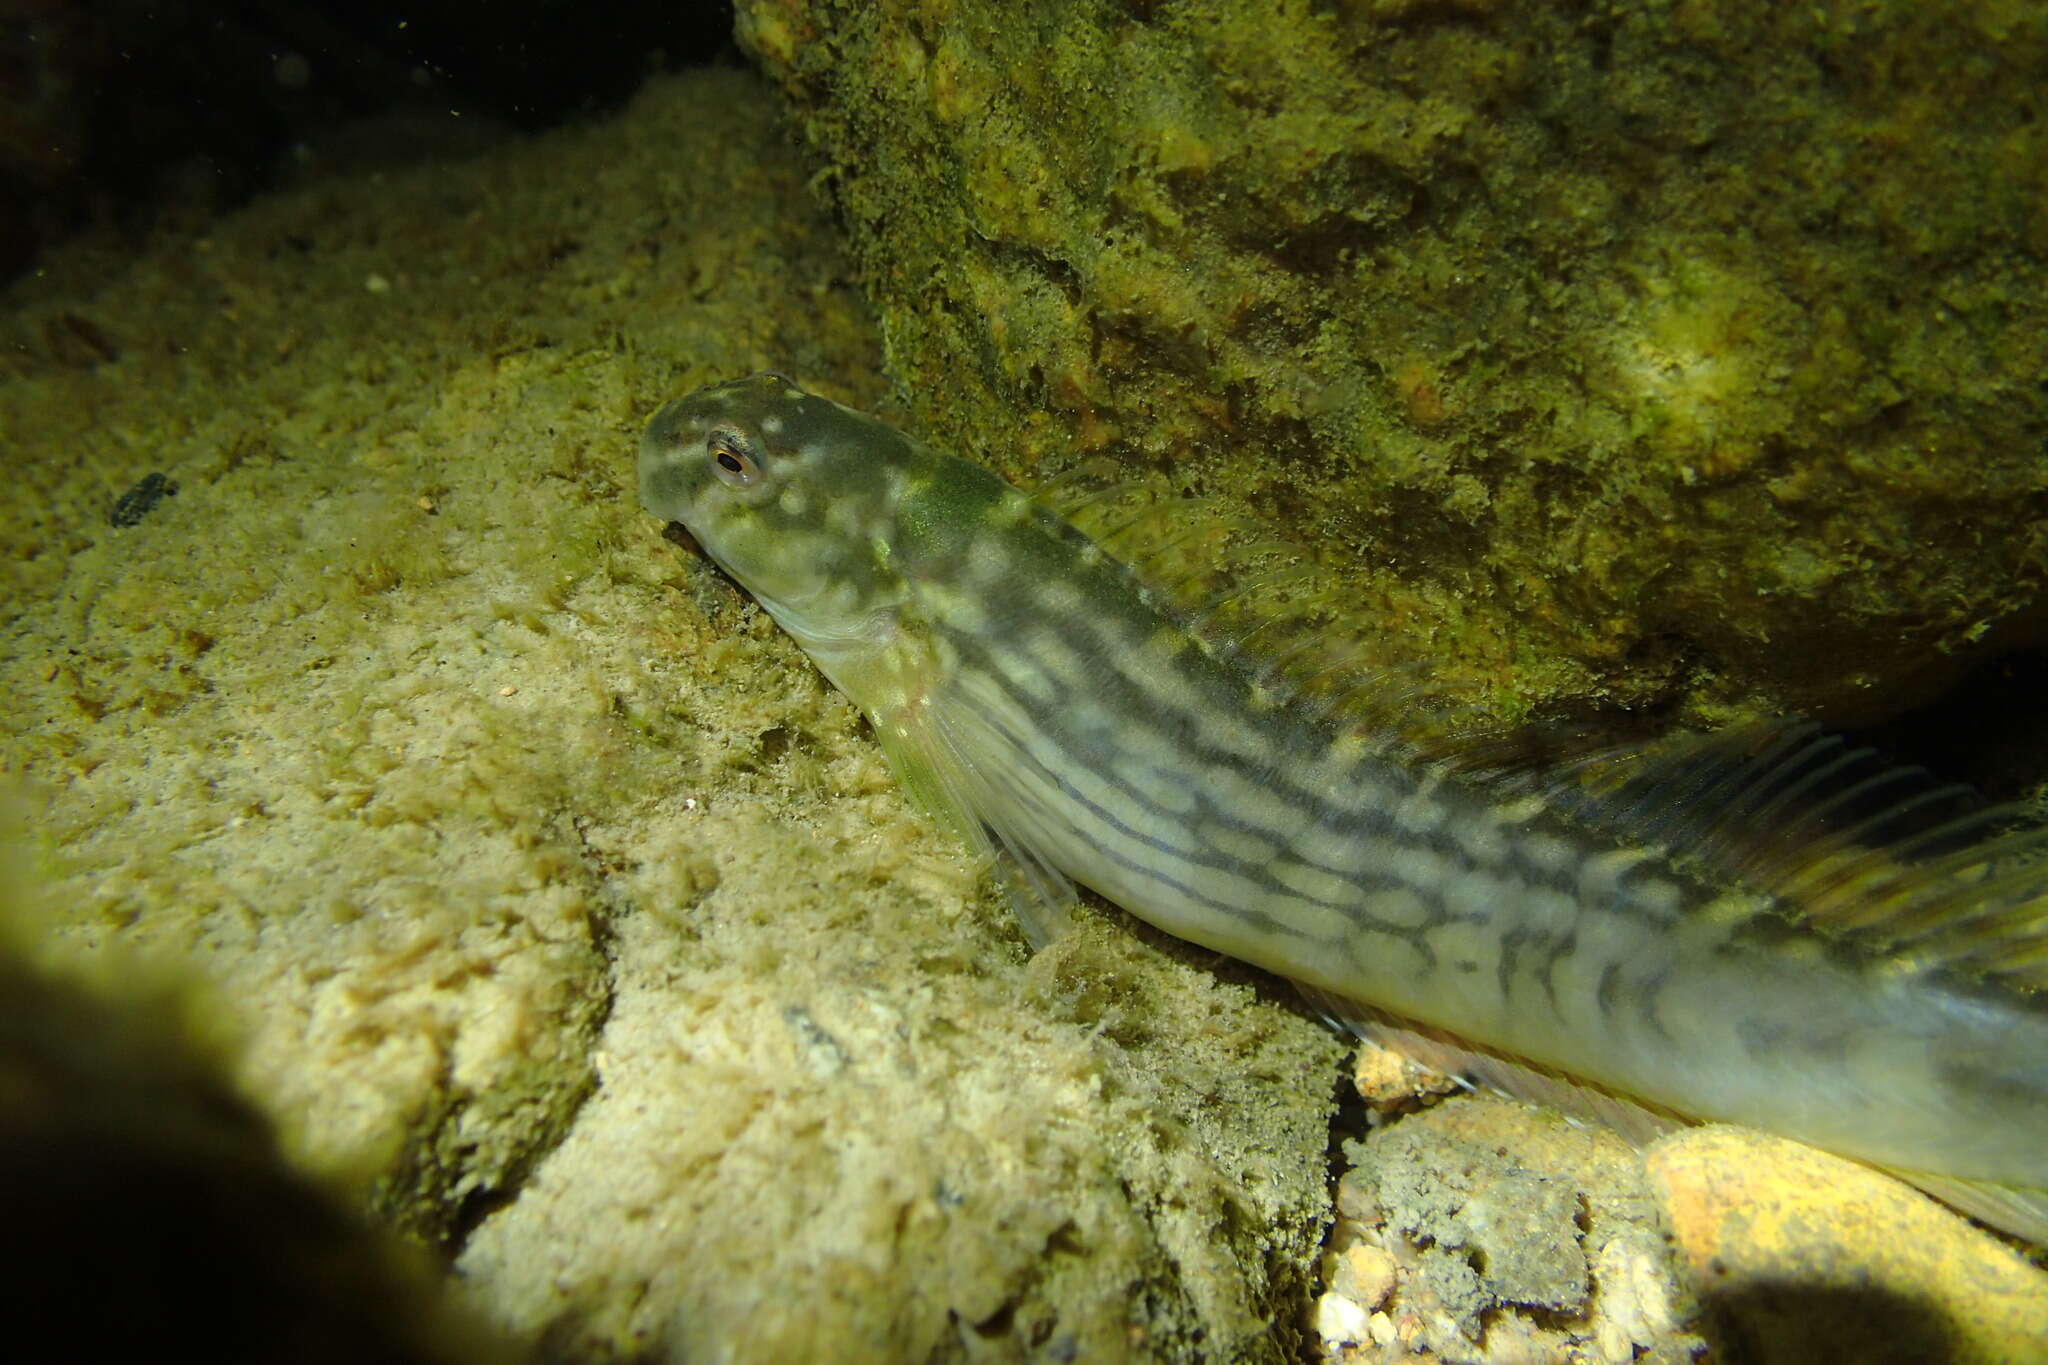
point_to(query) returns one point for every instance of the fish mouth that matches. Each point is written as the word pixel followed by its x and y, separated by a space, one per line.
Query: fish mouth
pixel 680 536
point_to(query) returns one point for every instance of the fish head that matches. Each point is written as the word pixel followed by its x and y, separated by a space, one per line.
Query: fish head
pixel 795 497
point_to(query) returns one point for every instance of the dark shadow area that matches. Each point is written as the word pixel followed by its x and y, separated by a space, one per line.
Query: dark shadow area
pixel 1799 1324
pixel 1990 729
pixel 146 1211
pixel 118 113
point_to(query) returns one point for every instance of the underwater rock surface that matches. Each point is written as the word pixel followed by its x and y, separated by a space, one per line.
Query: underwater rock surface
pixel 1661 354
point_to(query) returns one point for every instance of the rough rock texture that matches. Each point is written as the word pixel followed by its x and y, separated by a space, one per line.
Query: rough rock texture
pixel 1681 352
pixel 1485 1232
pixel 1801 1256
pixel 1506 1234
pixel 554 900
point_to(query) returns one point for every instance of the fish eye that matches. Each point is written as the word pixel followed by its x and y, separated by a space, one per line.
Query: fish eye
pixel 732 460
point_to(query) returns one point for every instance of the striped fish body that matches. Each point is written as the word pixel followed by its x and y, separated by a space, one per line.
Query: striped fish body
pixel 1033 691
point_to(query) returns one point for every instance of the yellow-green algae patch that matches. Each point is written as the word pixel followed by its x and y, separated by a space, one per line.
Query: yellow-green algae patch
pixel 556 902
pixel 1682 354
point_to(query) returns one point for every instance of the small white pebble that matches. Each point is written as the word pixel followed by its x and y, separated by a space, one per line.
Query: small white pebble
pixel 507 690
pixel 1382 1328
pixel 1340 1321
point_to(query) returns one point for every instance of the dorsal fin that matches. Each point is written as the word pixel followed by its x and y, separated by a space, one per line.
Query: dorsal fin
pixel 1922 870
pixel 1120 511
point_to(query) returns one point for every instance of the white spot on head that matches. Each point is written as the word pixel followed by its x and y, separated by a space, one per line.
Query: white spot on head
pixel 843 518
pixel 793 502
pixel 771 425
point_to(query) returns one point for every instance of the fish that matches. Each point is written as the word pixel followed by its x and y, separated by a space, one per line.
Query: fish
pixel 1768 927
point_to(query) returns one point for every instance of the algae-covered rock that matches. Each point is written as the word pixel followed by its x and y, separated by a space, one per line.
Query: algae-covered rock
pixel 558 902
pixel 1682 353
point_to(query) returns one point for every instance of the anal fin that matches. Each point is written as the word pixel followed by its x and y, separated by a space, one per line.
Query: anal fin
pixel 1474 1066
pixel 2017 1209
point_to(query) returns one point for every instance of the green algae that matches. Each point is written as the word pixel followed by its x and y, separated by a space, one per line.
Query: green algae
pixel 1679 355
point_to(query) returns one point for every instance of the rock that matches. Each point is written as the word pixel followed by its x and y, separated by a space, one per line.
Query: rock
pixel 1576 371
pixel 1804 1256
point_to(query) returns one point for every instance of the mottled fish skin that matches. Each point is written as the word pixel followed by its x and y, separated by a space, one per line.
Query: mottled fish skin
pixel 1082 721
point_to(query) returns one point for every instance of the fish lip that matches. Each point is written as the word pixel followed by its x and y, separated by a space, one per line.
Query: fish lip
pixel 682 537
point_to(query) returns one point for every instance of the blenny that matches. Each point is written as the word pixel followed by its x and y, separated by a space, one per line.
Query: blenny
pixel 1766 928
